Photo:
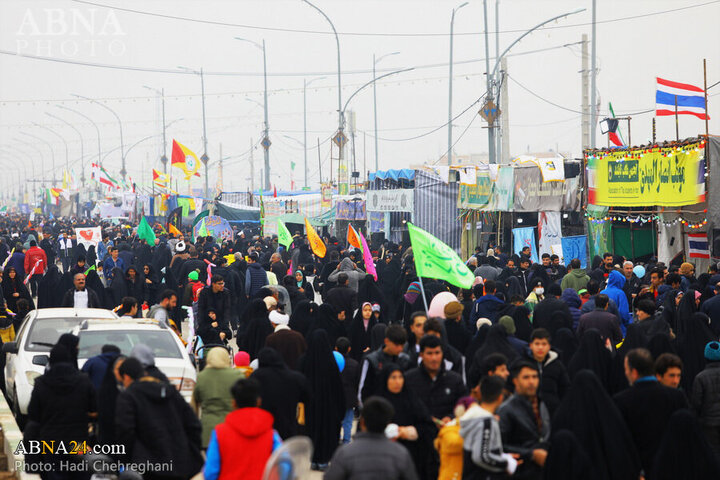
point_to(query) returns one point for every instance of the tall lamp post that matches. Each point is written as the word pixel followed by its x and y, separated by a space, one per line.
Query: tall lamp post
pixel 117 117
pixel 305 85
pixel 97 131
pixel 67 160
pixel 450 83
pixel 491 74
pixel 340 138
pixel 375 62
pixel 82 146
pixel 266 134
pixel 204 157
pixel 164 158
pixel 52 152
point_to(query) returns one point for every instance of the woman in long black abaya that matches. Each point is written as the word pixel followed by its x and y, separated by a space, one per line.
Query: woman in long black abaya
pixel 50 293
pixel 690 347
pixel 684 452
pixel 634 338
pixel 567 459
pixel 303 316
pixel 588 411
pixel 327 320
pixel 359 331
pixel 326 408
pixel 592 355
pixel 259 327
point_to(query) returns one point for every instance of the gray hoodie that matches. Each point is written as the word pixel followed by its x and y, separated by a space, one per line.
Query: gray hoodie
pixel 482 440
pixel 354 274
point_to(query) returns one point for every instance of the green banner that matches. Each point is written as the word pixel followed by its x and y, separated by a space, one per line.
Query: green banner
pixel 284 237
pixel 478 195
pixel 600 237
pixel 434 259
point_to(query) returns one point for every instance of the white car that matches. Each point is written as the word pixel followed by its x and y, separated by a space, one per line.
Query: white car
pixel 171 357
pixel 27 356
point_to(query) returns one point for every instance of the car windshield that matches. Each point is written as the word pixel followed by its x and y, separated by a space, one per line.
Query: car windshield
pixel 44 332
pixel 161 342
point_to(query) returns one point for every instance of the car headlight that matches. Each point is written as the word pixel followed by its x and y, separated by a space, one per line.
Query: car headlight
pixel 31 376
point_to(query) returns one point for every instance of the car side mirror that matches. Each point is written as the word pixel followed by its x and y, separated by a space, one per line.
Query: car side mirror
pixel 10 347
pixel 41 360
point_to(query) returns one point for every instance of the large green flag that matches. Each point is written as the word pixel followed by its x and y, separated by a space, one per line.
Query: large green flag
pixel 145 231
pixel 195 221
pixel 284 237
pixel 203 231
pixel 434 259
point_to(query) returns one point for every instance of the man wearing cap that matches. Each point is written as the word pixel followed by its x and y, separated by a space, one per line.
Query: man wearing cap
pixel 705 397
pixel 192 289
pixel 711 308
pixel 457 334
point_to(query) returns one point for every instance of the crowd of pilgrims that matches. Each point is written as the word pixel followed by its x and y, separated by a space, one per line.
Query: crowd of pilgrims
pixel 539 371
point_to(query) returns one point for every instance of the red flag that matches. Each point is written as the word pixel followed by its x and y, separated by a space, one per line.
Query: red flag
pixel 274 191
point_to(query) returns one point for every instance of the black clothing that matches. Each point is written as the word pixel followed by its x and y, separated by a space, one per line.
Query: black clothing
pixel 567 459
pixel 592 355
pixel 711 308
pixel 359 335
pixel 690 346
pixel 604 322
pixel 342 298
pixel 554 380
pixel 495 342
pixel 220 304
pixel 69 299
pixel 350 379
pixel 521 433
pixel 303 315
pixel 440 395
pixel 552 314
pixel 683 451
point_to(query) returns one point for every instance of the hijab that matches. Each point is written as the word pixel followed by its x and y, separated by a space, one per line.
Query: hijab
pixel 409 410
pixel 690 347
pixel 588 411
pixel 565 343
pixel 497 342
pixel 592 355
pixel 70 342
pixel 360 336
pixel 684 451
pixel 303 316
pixel 258 329
pixel 377 336
pixel 685 309
pixel 659 344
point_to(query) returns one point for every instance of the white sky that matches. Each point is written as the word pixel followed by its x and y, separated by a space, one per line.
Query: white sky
pixel 631 53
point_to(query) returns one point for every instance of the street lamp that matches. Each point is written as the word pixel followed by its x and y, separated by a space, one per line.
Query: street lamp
pixel 52 152
pixel 164 158
pixel 32 164
pixel 340 138
pixel 375 62
pixel 82 146
pixel 97 131
pixel 491 75
pixel 266 138
pixel 117 117
pixel 450 82
pixel 67 161
pixel 39 152
pixel 204 157
pixel 305 85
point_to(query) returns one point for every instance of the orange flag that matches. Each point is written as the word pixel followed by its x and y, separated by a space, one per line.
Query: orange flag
pixel 316 243
pixel 353 238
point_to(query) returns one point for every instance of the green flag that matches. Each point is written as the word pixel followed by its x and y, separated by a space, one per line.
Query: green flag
pixel 203 232
pixel 145 231
pixel 434 259
pixel 195 221
pixel 284 237
pixel 90 270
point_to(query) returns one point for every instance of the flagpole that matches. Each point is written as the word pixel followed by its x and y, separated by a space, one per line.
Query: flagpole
pixel 422 292
pixel 707 112
pixel 677 124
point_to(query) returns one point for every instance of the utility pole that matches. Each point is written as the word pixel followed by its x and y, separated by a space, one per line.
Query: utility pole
pixel 584 95
pixel 252 168
pixel 489 84
pixel 504 117
pixel 593 73
pixel 450 86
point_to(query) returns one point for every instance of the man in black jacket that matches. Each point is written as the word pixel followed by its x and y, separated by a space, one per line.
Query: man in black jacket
pixel 436 387
pixel 375 361
pixel 711 307
pixel 156 425
pixel 646 406
pixel 80 296
pixel 554 380
pixel 525 422
pixel 214 304
pixel 552 313
pixel 342 297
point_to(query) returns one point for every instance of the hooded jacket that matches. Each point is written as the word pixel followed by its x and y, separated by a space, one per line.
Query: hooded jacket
pixel 576 279
pixel 482 444
pixel 157 425
pixel 255 279
pixel 572 300
pixel 486 306
pixel 614 290
pixel 354 274
pixel 554 380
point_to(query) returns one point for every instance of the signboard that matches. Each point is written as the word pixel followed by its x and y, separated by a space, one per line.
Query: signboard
pixel 376 222
pixel 88 236
pixel 667 177
pixel 396 200
pixel 478 195
pixel 326 195
pixel 350 210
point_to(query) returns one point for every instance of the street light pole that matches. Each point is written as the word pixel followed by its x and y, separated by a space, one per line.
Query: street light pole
pixel 375 62
pixel 117 117
pixel 67 161
pixel 164 158
pixel 450 85
pixel 82 146
pixel 305 85
pixel 97 131
pixel 204 157
pixel 52 152
pixel 341 113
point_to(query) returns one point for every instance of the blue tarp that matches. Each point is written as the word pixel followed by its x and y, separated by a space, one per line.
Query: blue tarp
pixel 405 174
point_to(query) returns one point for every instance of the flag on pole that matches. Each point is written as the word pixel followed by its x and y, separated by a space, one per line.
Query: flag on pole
pixel 367 258
pixel 353 238
pixel 196 220
pixel 434 259
pixel 145 232
pixel 184 159
pixel 203 231
pixel 284 237
pixel 104 178
pixel 316 243
pixel 690 99
pixel 614 134
pixel 32 272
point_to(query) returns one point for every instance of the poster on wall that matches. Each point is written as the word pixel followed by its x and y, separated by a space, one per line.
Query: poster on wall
pixel 478 195
pixel 672 176
pixel 575 247
pixel 525 237
pixel 395 200
pixel 549 231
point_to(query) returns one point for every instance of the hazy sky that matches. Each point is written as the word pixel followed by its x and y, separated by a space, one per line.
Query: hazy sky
pixel 631 53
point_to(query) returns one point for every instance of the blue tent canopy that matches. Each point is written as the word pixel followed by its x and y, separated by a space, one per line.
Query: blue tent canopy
pixel 404 174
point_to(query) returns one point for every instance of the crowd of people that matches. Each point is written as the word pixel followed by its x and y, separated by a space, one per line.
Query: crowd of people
pixel 539 371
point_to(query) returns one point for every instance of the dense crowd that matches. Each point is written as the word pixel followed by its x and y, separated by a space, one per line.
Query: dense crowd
pixel 539 371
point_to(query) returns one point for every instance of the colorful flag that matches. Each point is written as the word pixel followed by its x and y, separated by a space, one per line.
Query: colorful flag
pixel 698 245
pixel 284 237
pixel 690 100
pixel 367 258
pixel 104 178
pixel 197 219
pixel 614 134
pixel 32 272
pixel 434 259
pixel 145 232
pixel 316 243
pixel 184 159
pixel 203 231
pixel 174 219
pixel 353 238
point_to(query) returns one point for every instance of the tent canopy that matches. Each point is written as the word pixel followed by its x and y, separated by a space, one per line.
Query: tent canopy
pixel 405 174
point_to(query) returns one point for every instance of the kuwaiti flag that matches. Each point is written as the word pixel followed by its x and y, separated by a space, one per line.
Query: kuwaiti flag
pixel 698 245
pixel 690 99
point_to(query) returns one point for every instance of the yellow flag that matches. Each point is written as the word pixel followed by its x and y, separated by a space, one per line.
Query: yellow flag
pixel 353 238
pixel 173 229
pixel 316 243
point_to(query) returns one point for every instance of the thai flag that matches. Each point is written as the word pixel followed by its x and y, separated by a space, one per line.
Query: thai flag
pixel 698 245
pixel 690 99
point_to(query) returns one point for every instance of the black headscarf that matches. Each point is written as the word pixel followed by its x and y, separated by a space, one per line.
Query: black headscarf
pixel 565 343
pixel 567 459
pixel 359 335
pixel 303 316
pixel 70 342
pixel 592 355
pixel 49 292
pixel 368 291
pixel 377 336
pixel 690 347
pixel 327 320
pixel 16 285
pixel 634 338
pixel 684 451
pixel 107 399
pixel 326 408
pixel 659 344
pixel 497 342
pixel 685 309
pixel 588 411
pixel 258 329
pixel 117 289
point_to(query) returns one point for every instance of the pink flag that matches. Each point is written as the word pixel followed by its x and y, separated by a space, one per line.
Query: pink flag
pixel 367 258
pixel 290 269
pixel 32 272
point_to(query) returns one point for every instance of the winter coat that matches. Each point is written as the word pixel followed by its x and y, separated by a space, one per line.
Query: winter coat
pixel 576 279
pixel 449 445
pixel 355 275
pixel 255 279
pixel 35 255
pixel 482 447
pixel 711 308
pixel 604 322
pixel 371 456
pixel 212 395
pixel 520 432
pixel 486 306
pixel 705 398
pixel 614 290
pixel 554 380
pixel 219 303
pixel 439 395
pixel 97 366
pixel 342 298
pixel 572 300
